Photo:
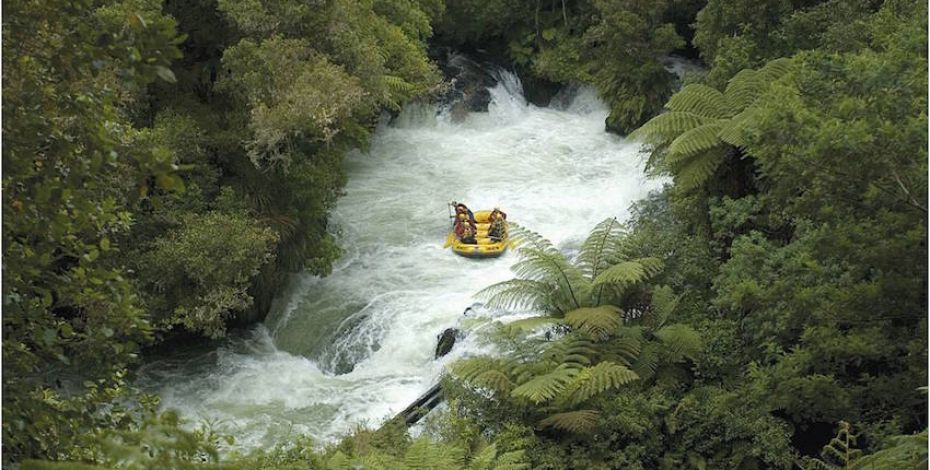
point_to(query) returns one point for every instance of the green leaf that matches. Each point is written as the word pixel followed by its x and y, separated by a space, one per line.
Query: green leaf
pixel 165 74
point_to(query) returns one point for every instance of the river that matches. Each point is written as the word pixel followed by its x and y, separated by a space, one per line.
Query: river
pixel 357 346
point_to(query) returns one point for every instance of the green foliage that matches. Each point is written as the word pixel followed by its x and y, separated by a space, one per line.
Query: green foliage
pixel 199 275
pixel 840 453
pixel 69 308
pixel 549 282
pixel 704 127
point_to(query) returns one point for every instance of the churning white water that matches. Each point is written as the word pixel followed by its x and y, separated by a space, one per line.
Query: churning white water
pixel 357 346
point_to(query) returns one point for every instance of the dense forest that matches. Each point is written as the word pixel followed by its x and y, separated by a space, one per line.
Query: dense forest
pixel 166 165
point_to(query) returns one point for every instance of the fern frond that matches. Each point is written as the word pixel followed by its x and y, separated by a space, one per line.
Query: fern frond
pixel 679 341
pixel 622 274
pixel 545 387
pixel 666 126
pixel 426 455
pixel 522 237
pixel 532 323
pixel 647 363
pixel 699 99
pixel 517 294
pixel 664 302
pixel 602 247
pixel 551 267
pixel 598 379
pixel 598 322
pixel 905 452
pixel 623 349
pixel 484 459
pixel 485 372
pixel 338 461
pixel 696 171
pixel 513 460
pixel 579 422
pixel 577 351
pixel 494 380
pixel 692 142
pixel 651 266
pixel 774 70
pixel 743 89
pixel 735 130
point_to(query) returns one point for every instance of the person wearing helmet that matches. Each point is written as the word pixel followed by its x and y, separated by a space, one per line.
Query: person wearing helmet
pixel 468 234
pixel 465 230
pixel 463 209
pixel 498 227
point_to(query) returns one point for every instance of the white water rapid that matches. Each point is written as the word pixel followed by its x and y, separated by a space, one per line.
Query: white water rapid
pixel 357 346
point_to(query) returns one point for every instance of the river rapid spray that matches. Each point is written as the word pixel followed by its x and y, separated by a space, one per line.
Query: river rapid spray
pixel 357 346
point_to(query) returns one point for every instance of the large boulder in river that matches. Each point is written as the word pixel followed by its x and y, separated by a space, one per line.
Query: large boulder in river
pixel 447 340
pixel 469 82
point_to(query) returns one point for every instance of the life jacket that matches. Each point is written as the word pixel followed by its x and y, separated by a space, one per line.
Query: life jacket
pixel 467 231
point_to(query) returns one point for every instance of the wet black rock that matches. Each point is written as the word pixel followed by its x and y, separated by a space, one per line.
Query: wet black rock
pixel 469 83
pixel 447 340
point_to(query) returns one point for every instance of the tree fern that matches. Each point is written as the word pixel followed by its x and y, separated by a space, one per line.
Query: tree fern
pixel 598 322
pixel 513 460
pixel 628 272
pixel 597 379
pixel 545 387
pixel 426 455
pixel 679 341
pixel 691 139
pixel 582 421
pixel 663 128
pixel 693 142
pixel 701 100
pixel 647 363
pixel 602 248
pixel 519 294
pixel 484 459
pixel 696 171
pixel 485 372
pixel 522 237
pixel 664 302
pixel 906 452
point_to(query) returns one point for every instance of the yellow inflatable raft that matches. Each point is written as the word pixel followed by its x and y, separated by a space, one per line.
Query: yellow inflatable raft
pixel 485 248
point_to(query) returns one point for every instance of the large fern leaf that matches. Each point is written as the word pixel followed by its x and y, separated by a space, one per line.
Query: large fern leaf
pixel 774 70
pixel 426 455
pixel 522 237
pixel 485 372
pixel 625 273
pixel 699 99
pixel 567 283
pixel 736 130
pixel 545 387
pixel 602 247
pixel 698 169
pixel 695 141
pixel 579 422
pixel 647 363
pixel 624 348
pixel 679 341
pixel 532 323
pixel 664 302
pixel 598 322
pixel 743 89
pixel 517 294
pixel 513 460
pixel 666 126
pixel 592 381
pixel 485 459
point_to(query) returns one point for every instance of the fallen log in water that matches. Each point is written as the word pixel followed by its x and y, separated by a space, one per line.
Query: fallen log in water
pixel 421 406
